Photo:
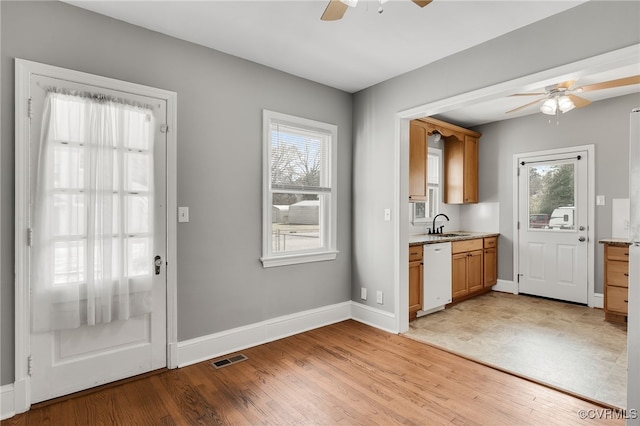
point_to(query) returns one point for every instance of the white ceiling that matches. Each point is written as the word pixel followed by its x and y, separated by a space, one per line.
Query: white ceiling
pixel 362 49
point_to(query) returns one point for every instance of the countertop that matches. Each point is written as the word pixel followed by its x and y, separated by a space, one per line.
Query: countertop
pixel 619 242
pixel 421 239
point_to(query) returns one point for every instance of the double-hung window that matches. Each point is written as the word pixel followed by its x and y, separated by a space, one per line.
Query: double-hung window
pixel 299 193
pixel 425 211
pixel 433 182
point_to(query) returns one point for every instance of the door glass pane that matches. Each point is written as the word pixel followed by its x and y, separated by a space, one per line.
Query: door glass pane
pixel 552 196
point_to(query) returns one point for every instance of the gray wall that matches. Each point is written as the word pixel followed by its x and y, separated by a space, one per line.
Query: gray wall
pixel 221 283
pixel 604 124
pixel 596 28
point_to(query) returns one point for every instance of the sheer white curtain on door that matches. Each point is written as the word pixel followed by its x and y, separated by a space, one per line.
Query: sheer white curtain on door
pixel 92 247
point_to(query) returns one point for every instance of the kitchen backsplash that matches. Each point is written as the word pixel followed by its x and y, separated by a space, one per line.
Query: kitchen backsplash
pixel 481 217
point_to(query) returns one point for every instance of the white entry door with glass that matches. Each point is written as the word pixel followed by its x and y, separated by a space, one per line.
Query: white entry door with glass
pixel 552 226
pixel 97 196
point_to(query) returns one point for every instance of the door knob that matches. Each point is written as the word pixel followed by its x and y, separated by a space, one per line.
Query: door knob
pixel 157 261
pixel 581 239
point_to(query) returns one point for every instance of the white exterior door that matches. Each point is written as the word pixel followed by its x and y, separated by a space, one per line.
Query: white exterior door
pixel 553 226
pixel 64 361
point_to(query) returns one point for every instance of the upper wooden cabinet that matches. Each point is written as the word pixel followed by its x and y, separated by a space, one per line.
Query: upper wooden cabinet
pixel 461 170
pixel 460 160
pixel 418 152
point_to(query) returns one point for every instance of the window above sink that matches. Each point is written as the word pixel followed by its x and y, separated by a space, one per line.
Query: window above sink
pixel 423 212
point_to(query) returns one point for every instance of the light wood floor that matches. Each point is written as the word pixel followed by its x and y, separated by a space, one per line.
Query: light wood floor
pixel 346 373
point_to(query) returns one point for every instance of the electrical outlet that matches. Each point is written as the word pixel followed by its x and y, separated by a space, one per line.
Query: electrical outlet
pixel 379 297
pixel 363 293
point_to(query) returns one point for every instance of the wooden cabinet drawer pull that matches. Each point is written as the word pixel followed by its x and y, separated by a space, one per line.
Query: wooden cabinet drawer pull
pixel 626 275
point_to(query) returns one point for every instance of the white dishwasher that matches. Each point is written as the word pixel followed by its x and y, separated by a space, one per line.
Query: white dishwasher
pixel 436 284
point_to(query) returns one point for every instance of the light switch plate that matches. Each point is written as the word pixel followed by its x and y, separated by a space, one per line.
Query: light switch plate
pixel 379 297
pixel 387 215
pixel 599 200
pixel 183 214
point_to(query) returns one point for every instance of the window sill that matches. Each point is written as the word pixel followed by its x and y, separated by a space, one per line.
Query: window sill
pixel 294 259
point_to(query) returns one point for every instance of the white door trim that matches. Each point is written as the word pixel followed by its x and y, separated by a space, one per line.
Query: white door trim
pixel 592 300
pixel 23 70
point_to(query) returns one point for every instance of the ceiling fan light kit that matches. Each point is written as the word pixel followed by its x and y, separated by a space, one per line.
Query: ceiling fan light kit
pixel 562 98
pixel 562 103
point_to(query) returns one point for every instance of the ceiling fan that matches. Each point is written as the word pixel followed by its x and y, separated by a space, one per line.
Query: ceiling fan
pixel 562 97
pixel 336 8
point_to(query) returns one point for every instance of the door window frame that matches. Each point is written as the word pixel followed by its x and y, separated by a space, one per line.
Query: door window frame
pixel 593 299
pixel 24 69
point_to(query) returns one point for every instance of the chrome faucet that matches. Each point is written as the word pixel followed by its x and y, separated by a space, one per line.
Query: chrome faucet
pixel 433 229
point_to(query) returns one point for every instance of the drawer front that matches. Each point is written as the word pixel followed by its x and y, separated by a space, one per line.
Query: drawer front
pixel 616 299
pixel 617 273
pixel 618 253
pixel 466 245
pixel 415 253
pixel 490 242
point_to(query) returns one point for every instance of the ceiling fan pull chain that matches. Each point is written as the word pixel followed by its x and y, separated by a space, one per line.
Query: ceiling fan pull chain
pixel 380 10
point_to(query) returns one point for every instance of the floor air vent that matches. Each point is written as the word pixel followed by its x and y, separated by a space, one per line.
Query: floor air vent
pixel 228 361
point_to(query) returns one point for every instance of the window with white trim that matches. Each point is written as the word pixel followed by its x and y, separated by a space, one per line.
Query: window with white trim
pixel 426 211
pixel 299 192
pixel 434 174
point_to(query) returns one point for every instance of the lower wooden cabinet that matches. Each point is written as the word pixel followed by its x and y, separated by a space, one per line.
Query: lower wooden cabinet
pixel 416 271
pixel 473 267
pixel 616 283
pixel 490 261
pixel 466 269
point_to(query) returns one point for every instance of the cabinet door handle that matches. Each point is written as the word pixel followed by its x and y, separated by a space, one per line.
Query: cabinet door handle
pixel 626 301
pixel 626 275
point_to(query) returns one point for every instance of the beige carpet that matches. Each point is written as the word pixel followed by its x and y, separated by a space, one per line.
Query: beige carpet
pixel 564 345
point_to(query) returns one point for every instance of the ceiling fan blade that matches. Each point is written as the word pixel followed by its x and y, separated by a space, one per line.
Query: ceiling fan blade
pixel 529 94
pixel 566 84
pixel 526 105
pixel 611 84
pixel 335 10
pixel 578 101
pixel 422 3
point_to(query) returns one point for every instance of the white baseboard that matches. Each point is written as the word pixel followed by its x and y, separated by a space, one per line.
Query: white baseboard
pixel 374 317
pixel 7 402
pixel 505 286
pixel 597 301
pixel 223 343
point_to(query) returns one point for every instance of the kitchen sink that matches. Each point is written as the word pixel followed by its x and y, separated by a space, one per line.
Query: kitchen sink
pixel 450 235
